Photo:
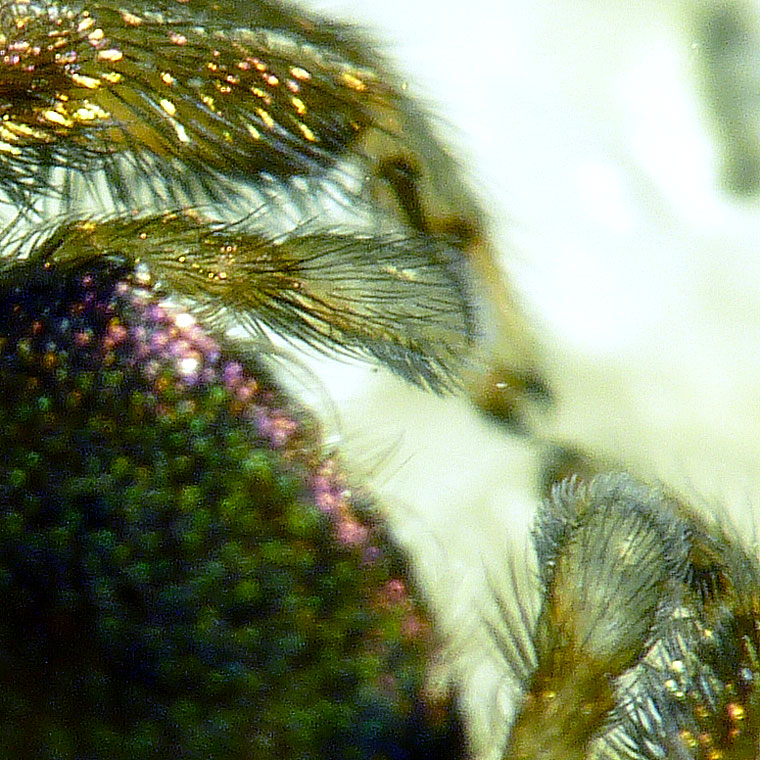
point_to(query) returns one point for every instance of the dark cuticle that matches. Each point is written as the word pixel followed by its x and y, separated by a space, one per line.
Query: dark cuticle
pixel 403 178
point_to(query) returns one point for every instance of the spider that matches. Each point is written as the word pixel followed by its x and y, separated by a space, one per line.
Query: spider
pixel 181 172
pixel 162 501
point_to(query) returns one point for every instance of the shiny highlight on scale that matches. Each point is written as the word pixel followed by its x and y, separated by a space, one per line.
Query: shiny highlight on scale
pixel 183 572
pixel 173 104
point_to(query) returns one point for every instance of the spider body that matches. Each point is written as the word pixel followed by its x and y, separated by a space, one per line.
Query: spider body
pixel 162 502
pixel 193 168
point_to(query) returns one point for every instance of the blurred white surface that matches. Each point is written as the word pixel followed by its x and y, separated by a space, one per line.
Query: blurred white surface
pixel 584 130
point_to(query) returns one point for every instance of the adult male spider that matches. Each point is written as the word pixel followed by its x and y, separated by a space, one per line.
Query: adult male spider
pixel 265 170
